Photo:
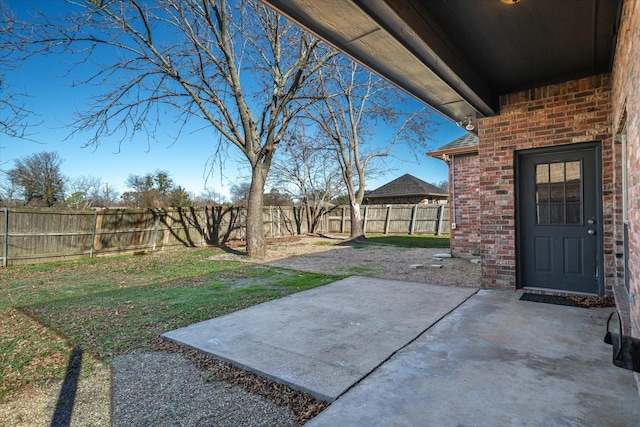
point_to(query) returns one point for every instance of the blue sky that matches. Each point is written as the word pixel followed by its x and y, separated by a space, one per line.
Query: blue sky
pixel 186 160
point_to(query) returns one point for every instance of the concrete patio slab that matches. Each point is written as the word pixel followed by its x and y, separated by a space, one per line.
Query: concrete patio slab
pixel 324 340
pixel 497 361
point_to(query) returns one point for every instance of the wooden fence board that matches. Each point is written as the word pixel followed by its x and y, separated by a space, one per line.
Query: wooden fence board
pixel 41 235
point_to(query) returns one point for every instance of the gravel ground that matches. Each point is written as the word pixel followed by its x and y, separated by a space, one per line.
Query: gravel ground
pixel 166 389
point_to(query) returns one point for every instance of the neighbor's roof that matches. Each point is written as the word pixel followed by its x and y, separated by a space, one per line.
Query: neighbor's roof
pixel 406 185
pixel 466 144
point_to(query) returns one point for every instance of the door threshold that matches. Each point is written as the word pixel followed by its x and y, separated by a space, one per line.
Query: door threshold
pixel 549 291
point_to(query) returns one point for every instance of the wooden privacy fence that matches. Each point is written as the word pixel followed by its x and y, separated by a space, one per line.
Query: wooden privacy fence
pixel 31 236
pixel 391 219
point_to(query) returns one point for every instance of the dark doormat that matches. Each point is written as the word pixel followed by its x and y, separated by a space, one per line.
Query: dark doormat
pixel 551 299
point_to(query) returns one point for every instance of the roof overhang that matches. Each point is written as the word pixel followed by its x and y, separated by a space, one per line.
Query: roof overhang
pixel 373 35
pixel 459 56
pixel 444 154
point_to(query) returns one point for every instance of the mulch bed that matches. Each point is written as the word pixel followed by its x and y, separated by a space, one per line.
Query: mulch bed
pixel 570 300
pixel 303 406
pixel 594 302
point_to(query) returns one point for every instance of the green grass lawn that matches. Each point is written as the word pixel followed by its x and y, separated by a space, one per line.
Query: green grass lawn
pixel 409 241
pixel 110 306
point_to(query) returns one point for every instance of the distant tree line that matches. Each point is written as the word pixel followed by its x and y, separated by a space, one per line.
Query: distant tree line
pixel 37 180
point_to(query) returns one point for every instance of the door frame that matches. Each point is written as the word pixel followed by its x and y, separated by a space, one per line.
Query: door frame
pixel 519 155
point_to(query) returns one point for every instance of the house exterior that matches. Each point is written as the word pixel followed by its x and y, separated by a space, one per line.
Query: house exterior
pixel 462 157
pixel 406 189
pixel 552 91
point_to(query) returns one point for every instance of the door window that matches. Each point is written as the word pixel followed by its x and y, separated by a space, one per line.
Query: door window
pixel 558 193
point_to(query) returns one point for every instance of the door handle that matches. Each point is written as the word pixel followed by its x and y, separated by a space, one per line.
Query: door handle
pixel 591 231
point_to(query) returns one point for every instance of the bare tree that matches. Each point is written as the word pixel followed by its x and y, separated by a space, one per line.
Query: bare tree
pixel 210 197
pixel 39 178
pixel 443 185
pixel 275 198
pixel 178 197
pixel 236 65
pixel 240 193
pixel 306 172
pixel 13 112
pixel 8 191
pixel 155 190
pixel 85 192
pixel 143 192
pixel 357 109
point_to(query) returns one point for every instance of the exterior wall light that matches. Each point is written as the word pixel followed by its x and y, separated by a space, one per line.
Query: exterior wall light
pixel 467 123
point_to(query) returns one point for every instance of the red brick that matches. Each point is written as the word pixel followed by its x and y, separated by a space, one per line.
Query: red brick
pixel 626 111
pixel 553 115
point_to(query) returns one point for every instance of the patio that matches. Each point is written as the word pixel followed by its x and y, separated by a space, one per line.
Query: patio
pixel 324 340
pixel 400 353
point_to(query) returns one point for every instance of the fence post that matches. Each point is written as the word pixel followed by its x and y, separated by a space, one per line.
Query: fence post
pixel 364 222
pixel 343 220
pixel 240 220
pixel 271 222
pixel 412 225
pixel 98 231
pixel 155 234
pixel 387 220
pixel 439 221
pixel 203 224
pixel 93 233
pixel 279 221
pixel 325 222
pixel 5 245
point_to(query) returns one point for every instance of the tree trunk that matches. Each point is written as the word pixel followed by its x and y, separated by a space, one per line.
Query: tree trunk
pixel 356 221
pixel 256 243
pixel 311 218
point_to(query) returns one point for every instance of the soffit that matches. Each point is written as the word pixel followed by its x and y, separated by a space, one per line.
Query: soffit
pixel 459 56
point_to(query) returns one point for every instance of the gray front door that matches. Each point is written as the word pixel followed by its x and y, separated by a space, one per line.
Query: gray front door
pixel 560 219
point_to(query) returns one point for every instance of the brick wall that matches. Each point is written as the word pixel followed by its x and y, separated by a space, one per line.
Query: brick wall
pixel 465 238
pixel 626 110
pixel 567 113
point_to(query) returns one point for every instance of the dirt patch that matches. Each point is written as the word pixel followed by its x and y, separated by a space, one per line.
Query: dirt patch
pixel 35 404
pixel 336 255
